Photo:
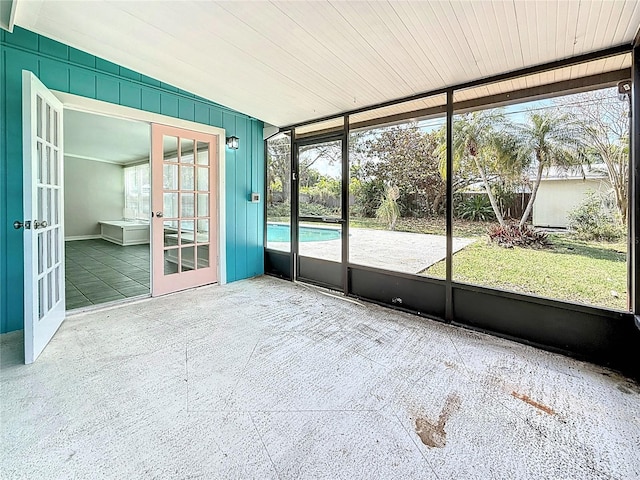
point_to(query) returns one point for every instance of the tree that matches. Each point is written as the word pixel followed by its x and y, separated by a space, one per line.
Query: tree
pixel 481 144
pixel 279 167
pixel 404 156
pixel 604 120
pixel 548 139
pixel 309 156
pixel 279 164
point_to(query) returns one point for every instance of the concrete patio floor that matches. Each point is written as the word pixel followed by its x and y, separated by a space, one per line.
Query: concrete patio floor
pixel 396 251
pixel 268 379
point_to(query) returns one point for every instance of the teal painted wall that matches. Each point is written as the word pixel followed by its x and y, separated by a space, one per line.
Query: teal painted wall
pixel 66 69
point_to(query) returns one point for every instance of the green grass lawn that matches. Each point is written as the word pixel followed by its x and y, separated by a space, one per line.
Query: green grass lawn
pixel 570 269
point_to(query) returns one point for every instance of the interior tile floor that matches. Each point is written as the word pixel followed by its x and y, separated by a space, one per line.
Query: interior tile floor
pixel 98 271
pixel 265 379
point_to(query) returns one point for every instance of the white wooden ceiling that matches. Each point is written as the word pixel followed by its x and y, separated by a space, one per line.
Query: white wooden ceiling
pixel 288 62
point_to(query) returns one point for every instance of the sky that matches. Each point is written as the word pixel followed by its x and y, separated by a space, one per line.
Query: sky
pixel 517 113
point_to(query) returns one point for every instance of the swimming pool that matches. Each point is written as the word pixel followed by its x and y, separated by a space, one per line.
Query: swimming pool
pixel 281 233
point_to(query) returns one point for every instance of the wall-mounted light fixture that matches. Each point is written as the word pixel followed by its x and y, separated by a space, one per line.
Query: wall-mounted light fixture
pixel 624 92
pixel 233 143
pixel 624 89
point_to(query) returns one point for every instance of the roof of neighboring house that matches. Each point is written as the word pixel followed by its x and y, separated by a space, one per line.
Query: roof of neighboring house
pixel 585 172
pixel 478 187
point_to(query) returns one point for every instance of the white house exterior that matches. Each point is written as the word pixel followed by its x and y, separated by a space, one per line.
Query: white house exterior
pixel 560 192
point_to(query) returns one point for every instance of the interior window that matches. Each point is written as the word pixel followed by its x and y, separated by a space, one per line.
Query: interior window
pixel 137 188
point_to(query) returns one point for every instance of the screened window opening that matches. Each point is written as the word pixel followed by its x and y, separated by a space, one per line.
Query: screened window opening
pixel 397 187
pixel 545 181
pixel 278 156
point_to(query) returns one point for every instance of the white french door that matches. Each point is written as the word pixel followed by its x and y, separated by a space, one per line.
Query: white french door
pixel 44 299
pixel 184 169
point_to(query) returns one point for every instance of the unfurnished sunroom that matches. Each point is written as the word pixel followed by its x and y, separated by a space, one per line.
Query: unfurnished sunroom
pixel 389 153
pixel 380 161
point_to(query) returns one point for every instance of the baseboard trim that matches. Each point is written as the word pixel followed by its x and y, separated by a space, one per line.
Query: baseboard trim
pixel 81 237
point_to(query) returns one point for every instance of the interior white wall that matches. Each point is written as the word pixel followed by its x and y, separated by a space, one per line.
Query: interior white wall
pixel 93 191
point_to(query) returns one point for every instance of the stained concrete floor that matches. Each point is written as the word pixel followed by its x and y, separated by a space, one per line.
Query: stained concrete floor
pixel 268 379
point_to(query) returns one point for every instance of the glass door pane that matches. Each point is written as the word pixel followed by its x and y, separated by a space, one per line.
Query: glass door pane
pixel 321 225
pixel 320 184
pixel 180 204
pixel 170 192
pixel 279 192
pixel 319 240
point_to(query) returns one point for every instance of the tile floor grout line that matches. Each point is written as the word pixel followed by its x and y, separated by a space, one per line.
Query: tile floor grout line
pixel 466 372
pixel 455 347
pixel 121 264
pixel 241 374
pixel 264 446
pixel 491 440
pixel 186 370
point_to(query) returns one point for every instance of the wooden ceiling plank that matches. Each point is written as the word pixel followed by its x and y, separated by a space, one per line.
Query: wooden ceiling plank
pixel 426 35
pixel 426 75
pixel 456 45
pixel 309 50
pixel 363 20
pixel 286 62
pixel 508 31
pixel 352 47
pixel 633 24
pixel 415 38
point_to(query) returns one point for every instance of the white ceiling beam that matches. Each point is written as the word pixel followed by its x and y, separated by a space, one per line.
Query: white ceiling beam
pixel 7 14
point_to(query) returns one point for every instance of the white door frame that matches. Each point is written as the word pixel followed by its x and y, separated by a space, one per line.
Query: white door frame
pixel 97 107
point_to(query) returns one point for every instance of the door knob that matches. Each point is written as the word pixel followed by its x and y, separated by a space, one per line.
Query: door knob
pixel 18 225
pixel 37 224
pixel 159 214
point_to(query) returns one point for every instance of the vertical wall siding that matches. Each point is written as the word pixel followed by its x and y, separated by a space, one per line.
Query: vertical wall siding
pixel 69 70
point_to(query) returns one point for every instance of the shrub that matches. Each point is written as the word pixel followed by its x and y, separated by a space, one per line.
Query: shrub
pixel 595 219
pixel 306 209
pixel 368 197
pixel 315 210
pixel 388 210
pixel 475 208
pixel 279 210
pixel 505 197
pixel 511 235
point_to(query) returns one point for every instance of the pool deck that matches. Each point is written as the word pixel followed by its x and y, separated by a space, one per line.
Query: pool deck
pixel 397 251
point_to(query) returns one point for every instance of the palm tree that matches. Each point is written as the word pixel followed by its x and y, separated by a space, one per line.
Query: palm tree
pixel 480 138
pixel 547 139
